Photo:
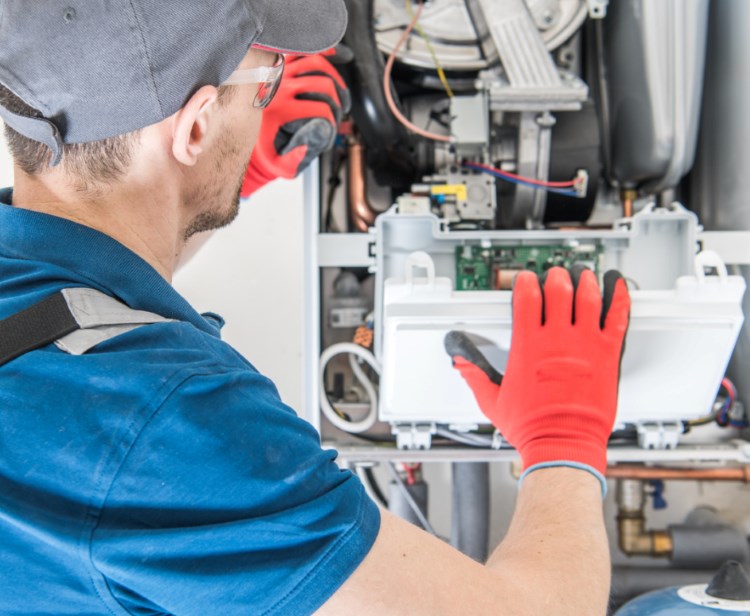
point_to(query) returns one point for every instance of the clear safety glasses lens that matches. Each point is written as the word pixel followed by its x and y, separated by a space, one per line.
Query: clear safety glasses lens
pixel 268 78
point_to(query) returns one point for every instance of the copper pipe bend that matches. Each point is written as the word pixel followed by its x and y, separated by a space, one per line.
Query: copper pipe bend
pixel 360 211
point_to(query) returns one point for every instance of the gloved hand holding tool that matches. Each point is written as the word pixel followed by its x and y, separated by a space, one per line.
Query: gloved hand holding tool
pixel 557 401
pixel 300 123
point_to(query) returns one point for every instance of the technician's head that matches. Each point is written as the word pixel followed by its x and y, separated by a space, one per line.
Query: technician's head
pixel 98 95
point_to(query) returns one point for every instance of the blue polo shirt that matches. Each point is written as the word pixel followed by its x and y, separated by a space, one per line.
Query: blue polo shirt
pixel 159 473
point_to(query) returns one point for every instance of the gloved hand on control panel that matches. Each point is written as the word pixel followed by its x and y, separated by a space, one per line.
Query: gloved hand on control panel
pixel 300 123
pixel 557 401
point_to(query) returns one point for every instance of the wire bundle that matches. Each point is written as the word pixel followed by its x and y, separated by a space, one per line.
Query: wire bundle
pixel 567 188
pixel 387 81
pixel 723 418
pixel 338 419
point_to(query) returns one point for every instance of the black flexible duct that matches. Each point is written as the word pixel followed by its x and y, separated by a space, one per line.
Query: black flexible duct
pixel 390 149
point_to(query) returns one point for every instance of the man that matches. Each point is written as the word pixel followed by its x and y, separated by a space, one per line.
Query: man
pixel 153 470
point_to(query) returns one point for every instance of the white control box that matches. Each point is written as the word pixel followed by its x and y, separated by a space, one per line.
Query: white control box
pixel 677 347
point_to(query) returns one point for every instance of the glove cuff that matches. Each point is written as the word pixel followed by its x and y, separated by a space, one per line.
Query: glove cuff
pixel 569 464
pixel 589 452
pixel 254 180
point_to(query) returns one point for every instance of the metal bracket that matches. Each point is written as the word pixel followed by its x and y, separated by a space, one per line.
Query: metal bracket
pixel 598 8
pixel 413 436
pixel 531 80
pixel 732 246
pixel 659 435
pixel 534 144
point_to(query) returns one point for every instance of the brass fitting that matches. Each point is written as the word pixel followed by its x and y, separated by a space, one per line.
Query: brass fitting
pixel 628 197
pixel 633 538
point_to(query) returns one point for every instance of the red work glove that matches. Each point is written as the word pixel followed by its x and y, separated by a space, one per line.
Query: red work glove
pixel 300 123
pixel 557 401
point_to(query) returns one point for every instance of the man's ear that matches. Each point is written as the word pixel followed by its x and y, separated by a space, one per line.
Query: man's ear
pixel 191 125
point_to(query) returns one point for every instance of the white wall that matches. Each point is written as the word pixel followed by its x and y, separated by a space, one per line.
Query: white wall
pixel 251 274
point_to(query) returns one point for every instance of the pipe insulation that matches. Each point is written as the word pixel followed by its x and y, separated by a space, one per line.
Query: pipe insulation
pixel 705 541
pixel 471 508
pixel 629 582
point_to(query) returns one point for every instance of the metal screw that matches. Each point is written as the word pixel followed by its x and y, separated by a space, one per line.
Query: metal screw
pixel 546 120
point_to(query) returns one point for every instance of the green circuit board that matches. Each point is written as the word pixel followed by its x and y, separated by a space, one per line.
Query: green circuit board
pixel 480 268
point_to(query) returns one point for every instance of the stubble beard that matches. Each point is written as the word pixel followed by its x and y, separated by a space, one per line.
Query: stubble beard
pixel 224 210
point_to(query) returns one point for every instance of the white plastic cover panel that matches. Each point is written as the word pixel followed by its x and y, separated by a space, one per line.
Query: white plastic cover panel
pixel 677 347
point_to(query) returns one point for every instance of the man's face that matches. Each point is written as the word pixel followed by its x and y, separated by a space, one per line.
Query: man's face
pixel 214 192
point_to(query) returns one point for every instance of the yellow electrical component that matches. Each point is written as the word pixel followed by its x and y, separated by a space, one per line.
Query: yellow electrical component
pixel 457 190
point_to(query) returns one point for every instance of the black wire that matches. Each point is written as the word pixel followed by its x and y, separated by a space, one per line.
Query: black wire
pixel 374 438
pixel 629 433
pixel 334 181
pixel 372 483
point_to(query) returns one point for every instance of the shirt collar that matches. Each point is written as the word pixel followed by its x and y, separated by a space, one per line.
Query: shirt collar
pixel 92 259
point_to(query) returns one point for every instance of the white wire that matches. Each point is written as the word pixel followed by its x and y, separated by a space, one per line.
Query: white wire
pixel 352 350
pixel 410 500
pixel 475 440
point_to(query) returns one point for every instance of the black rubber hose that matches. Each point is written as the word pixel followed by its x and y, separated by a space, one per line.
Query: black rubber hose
pixel 375 487
pixel 389 146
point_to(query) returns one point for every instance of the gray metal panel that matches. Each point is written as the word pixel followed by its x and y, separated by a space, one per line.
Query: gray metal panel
pixel 718 454
pixel 732 246
pixel 470 119
pixel 344 249
pixel 507 30
pixel 311 279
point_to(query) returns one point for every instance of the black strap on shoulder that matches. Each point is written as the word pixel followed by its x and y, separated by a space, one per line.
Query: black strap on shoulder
pixel 35 327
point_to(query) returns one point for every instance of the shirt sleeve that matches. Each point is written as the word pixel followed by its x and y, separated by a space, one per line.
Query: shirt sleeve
pixel 226 503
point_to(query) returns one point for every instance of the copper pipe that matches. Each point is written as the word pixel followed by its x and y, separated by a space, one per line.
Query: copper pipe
pixel 629 471
pixel 628 196
pixel 360 211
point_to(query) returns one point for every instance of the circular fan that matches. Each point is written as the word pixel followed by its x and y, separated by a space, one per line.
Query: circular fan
pixel 448 25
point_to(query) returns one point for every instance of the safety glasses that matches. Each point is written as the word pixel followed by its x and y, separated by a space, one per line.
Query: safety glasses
pixel 269 78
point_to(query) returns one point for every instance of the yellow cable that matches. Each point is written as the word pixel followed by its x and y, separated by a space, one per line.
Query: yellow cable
pixel 423 34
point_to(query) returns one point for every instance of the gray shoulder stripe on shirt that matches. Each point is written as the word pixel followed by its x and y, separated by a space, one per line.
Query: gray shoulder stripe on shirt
pixel 101 318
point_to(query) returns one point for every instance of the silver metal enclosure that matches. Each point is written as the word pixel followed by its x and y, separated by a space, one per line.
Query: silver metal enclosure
pixel 654 53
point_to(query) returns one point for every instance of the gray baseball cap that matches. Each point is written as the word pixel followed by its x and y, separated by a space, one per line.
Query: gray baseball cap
pixel 100 68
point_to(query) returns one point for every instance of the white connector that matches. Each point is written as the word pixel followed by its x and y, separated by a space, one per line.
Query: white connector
pixel 582 183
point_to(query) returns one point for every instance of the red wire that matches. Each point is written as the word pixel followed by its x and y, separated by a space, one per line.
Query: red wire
pixel 729 386
pixel 525 179
pixel 387 84
pixel 409 474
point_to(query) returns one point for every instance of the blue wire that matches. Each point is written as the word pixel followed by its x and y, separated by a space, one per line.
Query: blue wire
pixel 501 176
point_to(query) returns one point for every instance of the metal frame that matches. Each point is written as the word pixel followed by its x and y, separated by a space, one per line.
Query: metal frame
pixel 736 451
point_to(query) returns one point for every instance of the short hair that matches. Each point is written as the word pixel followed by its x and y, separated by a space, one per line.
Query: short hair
pixel 91 164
